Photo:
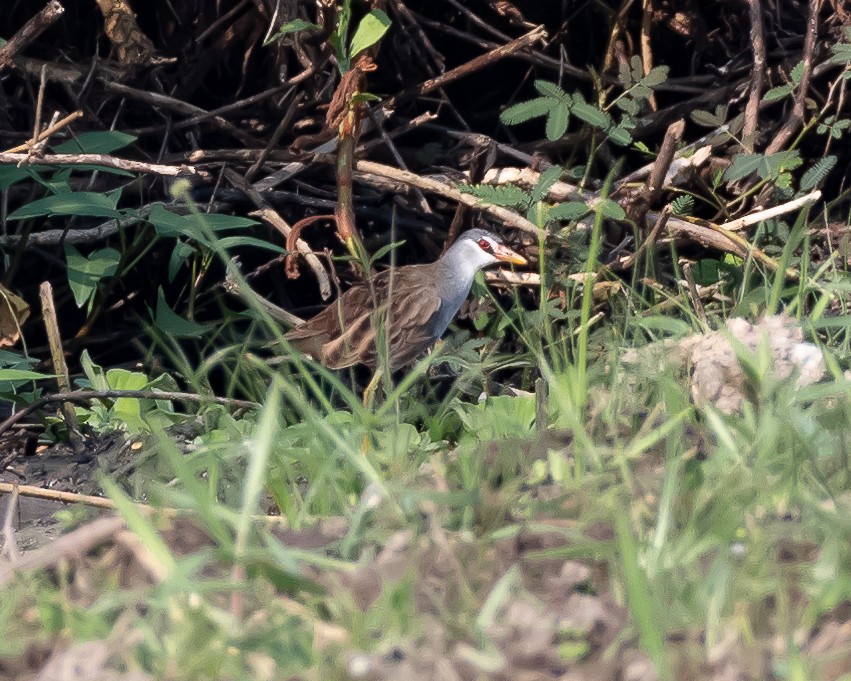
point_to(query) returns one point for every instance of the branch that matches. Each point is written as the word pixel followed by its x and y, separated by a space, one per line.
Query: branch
pixel 30 31
pixel 100 160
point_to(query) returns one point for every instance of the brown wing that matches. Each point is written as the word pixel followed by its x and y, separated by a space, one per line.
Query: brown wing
pixel 344 333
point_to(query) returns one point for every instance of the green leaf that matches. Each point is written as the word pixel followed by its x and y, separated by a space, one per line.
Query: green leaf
pixel 128 410
pixel 22 375
pixel 570 210
pixel 797 72
pixel 657 76
pixel 524 111
pixel 709 120
pixel 538 214
pixel 611 210
pixel 89 204
pixel 101 142
pixel 94 372
pixel 360 97
pixel 778 93
pixel 768 167
pixel 9 175
pixel 841 53
pixel 640 92
pixel 171 224
pixel 620 135
pixel 625 76
pixel 591 115
pixel 742 166
pixel 629 105
pixel 384 250
pixel 504 195
pixel 636 68
pixel 549 89
pixel 179 255
pixel 290 27
pixel 547 179
pixel 683 204
pixel 237 241
pixel 816 175
pixel 370 30
pixel 173 324
pixel 84 273
pixel 706 272
pixel 557 121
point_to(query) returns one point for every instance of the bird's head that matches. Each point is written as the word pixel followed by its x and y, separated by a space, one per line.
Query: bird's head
pixel 481 248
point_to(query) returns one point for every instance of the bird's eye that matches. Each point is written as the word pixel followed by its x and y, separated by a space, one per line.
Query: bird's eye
pixel 485 245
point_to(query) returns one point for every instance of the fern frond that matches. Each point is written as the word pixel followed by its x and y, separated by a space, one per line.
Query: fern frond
pixel 507 195
pixel 524 111
pixel 816 175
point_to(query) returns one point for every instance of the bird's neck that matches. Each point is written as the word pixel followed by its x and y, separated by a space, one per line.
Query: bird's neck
pixel 456 270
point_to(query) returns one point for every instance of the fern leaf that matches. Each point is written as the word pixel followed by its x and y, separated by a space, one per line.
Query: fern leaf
pixel 548 178
pixel 507 195
pixel 547 89
pixel 524 111
pixel 557 121
pixel 816 175
pixel 683 205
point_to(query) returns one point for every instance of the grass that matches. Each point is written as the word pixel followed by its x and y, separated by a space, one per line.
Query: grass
pixel 457 518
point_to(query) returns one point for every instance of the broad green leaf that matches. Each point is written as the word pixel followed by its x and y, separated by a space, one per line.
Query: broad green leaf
pixel 173 324
pixel 128 409
pixel 89 204
pixel 797 72
pixel 370 30
pixel 84 273
pixel 557 121
pixel 94 372
pixel 524 111
pixel 179 254
pixel 101 142
pixel 9 175
pixel 171 224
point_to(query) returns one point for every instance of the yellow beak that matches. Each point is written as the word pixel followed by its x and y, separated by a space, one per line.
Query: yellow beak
pixel 504 254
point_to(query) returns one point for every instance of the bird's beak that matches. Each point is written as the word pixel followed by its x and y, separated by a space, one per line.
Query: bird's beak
pixel 504 254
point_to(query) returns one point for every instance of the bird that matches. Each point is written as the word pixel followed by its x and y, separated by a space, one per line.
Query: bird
pixel 415 304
